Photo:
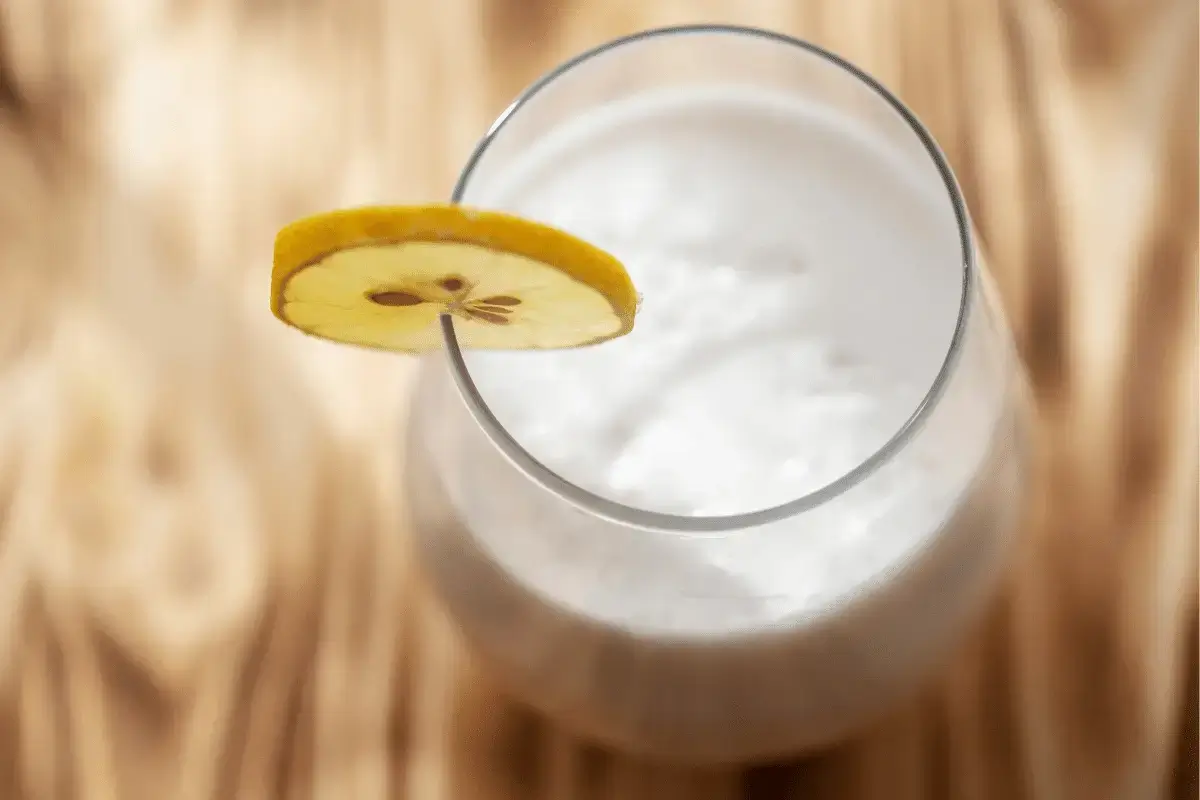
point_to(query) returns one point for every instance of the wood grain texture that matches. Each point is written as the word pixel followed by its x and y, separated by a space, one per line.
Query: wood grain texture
pixel 204 587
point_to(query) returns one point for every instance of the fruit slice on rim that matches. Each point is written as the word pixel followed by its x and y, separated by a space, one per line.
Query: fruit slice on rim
pixel 381 277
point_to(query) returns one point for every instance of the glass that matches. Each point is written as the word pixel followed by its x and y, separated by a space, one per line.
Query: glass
pixel 531 561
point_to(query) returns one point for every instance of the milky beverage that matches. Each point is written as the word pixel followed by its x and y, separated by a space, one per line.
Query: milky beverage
pixel 800 285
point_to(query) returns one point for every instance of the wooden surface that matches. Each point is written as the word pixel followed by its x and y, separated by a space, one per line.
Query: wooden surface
pixel 205 589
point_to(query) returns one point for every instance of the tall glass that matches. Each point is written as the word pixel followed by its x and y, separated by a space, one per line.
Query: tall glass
pixel 764 678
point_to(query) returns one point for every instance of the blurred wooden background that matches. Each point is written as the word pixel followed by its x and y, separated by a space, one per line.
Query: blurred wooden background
pixel 205 590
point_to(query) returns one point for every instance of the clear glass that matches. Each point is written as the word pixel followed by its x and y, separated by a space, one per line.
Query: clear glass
pixel 757 678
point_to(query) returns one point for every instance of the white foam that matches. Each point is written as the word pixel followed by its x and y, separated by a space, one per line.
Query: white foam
pixel 800 286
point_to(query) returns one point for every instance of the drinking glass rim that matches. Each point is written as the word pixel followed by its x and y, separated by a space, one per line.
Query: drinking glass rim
pixel 673 523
